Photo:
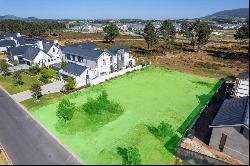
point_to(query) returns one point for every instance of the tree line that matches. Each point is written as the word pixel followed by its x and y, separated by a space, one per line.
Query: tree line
pixel 30 28
pixel 197 33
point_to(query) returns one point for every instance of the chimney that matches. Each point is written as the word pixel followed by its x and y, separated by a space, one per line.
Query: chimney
pixel 40 45
pixel 56 42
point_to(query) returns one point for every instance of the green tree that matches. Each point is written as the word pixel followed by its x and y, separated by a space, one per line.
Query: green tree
pixel 36 91
pixel 4 67
pixel 168 31
pixel 45 75
pixel 17 78
pixel 70 85
pixel 186 29
pixel 111 32
pixel 150 35
pixel 65 110
pixel 130 156
pixel 201 34
pixel 243 32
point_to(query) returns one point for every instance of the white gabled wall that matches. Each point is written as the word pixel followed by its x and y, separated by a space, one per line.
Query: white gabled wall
pixel 104 67
pixel 41 58
pixel 82 79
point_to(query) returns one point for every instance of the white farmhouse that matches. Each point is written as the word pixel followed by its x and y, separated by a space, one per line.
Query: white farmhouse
pixel 93 63
pixel 42 53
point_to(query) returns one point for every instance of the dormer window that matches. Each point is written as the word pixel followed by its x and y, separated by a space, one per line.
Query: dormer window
pixel 54 50
pixel 104 62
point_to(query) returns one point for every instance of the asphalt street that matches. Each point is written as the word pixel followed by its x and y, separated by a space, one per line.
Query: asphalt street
pixel 25 141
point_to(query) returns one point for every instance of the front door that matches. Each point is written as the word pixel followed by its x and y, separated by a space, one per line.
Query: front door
pixel 222 142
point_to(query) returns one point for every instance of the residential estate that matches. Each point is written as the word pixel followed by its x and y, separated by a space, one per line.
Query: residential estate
pixel 84 62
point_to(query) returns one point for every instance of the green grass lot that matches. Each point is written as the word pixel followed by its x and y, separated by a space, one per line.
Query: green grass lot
pixel 148 97
pixel 8 83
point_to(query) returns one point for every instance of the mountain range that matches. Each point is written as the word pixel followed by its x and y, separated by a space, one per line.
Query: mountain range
pixel 12 17
pixel 234 13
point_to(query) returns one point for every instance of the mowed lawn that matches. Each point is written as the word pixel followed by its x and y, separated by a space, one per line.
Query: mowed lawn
pixel 148 96
pixel 8 83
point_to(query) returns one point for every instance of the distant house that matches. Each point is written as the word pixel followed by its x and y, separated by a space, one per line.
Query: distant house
pixel 242 85
pixel 230 133
pixel 5 44
pixel 15 35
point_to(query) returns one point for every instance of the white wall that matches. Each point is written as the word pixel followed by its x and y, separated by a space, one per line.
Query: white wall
pixel 3 49
pixel 112 75
pixel 242 88
pixel 104 68
pixel 46 59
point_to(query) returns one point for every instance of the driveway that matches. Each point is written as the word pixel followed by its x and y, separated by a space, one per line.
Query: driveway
pixel 18 68
pixel 53 87
pixel 13 69
pixel 26 141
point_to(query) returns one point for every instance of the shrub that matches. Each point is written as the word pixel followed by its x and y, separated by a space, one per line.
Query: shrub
pixel 70 84
pixel 101 105
pixel 65 110
pixel 45 75
pixel 130 156
pixel 163 131
pixel 17 77
pixel 34 70
pixel 4 67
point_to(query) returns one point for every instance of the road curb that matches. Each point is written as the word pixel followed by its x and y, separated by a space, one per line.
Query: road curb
pixel 54 137
pixel 5 155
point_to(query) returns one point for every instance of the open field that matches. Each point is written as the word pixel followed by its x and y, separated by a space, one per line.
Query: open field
pixel 148 97
pixel 8 84
pixel 215 60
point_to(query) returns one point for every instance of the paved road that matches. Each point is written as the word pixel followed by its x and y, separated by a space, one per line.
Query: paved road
pixel 25 141
pixel 53 87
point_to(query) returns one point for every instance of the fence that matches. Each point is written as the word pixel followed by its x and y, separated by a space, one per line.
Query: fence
pixel 113 75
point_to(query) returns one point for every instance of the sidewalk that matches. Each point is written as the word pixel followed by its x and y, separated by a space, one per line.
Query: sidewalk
pixel 53 87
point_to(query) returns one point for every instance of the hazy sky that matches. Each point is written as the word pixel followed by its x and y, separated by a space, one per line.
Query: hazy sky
pixel 94 9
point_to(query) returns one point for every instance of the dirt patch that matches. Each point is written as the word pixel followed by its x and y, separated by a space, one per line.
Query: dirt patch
pixel 198 146
pixel 2 55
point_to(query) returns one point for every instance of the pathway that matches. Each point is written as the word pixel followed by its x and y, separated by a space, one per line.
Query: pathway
pixel 53 87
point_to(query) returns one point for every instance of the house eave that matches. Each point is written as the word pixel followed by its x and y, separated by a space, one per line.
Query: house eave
pixel 235 125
